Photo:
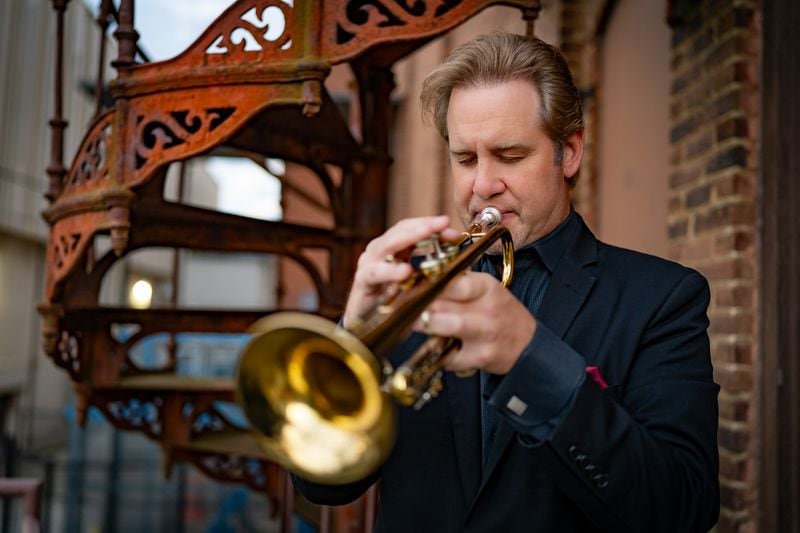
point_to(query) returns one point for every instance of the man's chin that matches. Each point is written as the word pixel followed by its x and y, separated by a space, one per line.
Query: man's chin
pixel 496 249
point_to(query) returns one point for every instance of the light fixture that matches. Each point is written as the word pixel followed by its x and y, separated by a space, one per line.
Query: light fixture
pixel 141 294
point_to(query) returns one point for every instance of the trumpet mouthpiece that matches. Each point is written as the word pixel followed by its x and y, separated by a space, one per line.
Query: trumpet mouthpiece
pixel 489 217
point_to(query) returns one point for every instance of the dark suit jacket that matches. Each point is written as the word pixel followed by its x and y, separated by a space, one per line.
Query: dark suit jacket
pixel 637 456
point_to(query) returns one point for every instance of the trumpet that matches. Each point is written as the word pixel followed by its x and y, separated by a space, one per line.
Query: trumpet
pixel 319 396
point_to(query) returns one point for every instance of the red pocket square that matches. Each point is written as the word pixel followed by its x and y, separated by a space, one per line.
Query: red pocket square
pixel 595 374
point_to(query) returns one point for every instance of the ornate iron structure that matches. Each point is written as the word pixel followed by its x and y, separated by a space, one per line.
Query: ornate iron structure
pixel 253 83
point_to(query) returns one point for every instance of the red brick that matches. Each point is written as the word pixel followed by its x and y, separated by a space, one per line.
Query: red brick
pixel 693 250
pixel 676 108
pixel 732 74
pixel 731 100
pixel 674 204
pixel 738 241
pixel 738 17
pixel 686 23
pixel 678 228
pixel 677 60
pixel 685 79
pixel 727 324
pixel 739 296
pixel 728 269
pixel 684 128
pixel 747 72
pixel 735 184
pixel 684 176
pixel 698 196
pixel 730 523
pixel 733 410
pixel 741 213
pixel 675 156
pixel 735 440
pixel 738 380
pixel 733 498
pixel 733 352
pixel 730 46
pixel 697 98
pixel 702 41
pixel 733 467
pixel 732 156
pixel 733 127
pixel 699 144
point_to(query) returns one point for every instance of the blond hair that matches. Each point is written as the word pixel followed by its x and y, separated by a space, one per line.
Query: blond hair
pixel 501 57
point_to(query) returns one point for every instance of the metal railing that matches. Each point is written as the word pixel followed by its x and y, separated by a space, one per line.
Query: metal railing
pixel 30 490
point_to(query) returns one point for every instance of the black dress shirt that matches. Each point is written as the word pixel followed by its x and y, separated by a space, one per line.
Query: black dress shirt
pixel 553 383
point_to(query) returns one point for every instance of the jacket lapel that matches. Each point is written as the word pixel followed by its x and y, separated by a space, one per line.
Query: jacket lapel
pixel 570 283
pixel 569 287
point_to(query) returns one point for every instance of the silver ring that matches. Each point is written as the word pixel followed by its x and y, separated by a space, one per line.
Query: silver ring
pixel 426 321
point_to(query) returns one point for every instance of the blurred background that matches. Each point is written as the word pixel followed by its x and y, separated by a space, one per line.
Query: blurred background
pixel 689 136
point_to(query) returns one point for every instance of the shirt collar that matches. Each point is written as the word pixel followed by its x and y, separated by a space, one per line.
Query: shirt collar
pixel 551 247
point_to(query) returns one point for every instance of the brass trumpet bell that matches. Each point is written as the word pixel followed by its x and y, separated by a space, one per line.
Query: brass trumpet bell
pixel 315 400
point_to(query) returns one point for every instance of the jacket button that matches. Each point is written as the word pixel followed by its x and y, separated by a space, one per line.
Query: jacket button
pixel 573 451
pixel 601 480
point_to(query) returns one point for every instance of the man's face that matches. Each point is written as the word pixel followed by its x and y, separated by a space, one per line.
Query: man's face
pixel 501 157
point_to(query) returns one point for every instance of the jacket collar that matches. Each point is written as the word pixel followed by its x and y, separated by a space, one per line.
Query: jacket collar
pixel 552 247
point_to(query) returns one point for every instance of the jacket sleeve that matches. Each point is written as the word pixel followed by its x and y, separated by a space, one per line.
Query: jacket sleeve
pixel 646 460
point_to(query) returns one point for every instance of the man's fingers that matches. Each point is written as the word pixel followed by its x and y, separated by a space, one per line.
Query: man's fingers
pixel 450 324
pixel 404 235
pixel 381 272
pixel 468 287
pixel 377 266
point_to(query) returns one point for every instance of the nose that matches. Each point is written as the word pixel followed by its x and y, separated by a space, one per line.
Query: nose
pixel 488 181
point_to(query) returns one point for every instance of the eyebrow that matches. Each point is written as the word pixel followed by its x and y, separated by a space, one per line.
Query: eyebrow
pixel 513 147
pixel 498 149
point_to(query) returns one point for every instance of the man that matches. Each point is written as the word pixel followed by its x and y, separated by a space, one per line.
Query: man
pixel 595 408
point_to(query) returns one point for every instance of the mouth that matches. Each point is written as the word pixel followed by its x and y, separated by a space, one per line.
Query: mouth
pixel 505 214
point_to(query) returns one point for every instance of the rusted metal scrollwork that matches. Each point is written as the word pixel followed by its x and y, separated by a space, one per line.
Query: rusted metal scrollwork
pixel 253 83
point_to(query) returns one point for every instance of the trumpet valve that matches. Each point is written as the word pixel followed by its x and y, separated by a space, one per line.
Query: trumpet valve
pixel 437 254
pixel 434 388
pixel 399 386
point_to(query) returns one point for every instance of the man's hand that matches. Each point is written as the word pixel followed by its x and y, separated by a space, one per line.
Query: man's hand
pixel 375 272
pixel 493 325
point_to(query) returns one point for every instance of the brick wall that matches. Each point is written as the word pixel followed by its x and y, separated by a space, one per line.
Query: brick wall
pixel 712 200
pixel 711 219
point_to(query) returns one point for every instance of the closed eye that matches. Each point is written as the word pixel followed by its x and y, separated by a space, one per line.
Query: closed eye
pixel 466 160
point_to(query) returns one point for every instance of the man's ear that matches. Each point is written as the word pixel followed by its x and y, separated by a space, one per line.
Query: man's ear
pixel 573 154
